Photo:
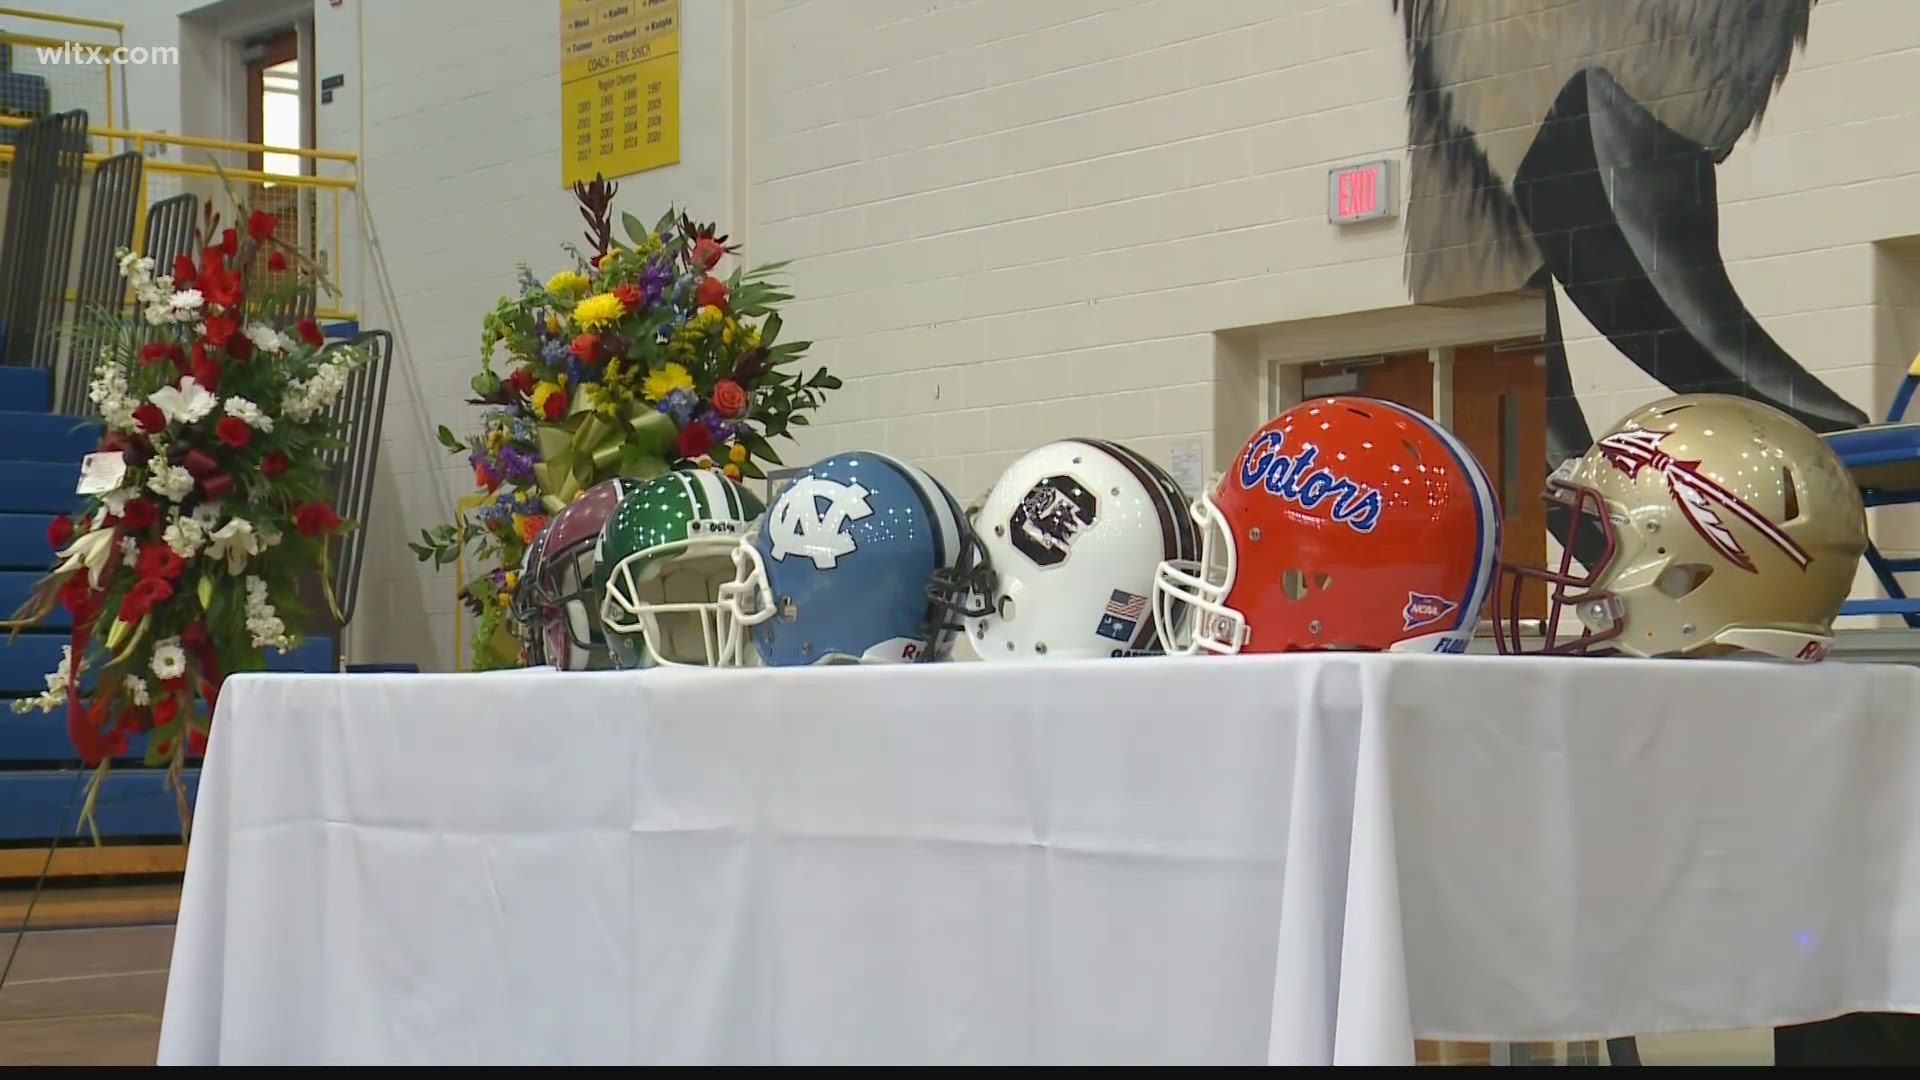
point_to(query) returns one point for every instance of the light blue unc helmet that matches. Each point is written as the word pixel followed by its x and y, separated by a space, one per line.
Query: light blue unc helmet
pixel 861 558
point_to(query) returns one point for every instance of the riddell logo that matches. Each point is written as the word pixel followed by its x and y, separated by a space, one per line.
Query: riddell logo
pixel 1814 651
pixel 1423 610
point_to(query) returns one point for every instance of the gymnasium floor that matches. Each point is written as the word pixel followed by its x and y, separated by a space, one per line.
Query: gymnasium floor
pixel 90 979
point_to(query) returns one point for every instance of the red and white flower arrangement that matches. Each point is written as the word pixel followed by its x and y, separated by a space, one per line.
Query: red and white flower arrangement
pixel 204 506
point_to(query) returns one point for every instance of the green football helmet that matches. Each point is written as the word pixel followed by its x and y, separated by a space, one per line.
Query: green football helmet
pixel 664 553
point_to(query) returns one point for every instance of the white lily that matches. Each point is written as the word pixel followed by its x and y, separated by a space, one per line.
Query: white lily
pixel 235 542
pixel 91 551
pixel 186 403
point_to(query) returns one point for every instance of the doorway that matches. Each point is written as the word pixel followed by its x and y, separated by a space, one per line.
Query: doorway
pixel 1499 412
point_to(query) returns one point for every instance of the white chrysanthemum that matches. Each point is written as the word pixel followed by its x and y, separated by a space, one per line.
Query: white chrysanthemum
pixel 188 302
pixel 207 515
pixel 170 482
pixel 169 659
pixel 136 688
pixel 249 413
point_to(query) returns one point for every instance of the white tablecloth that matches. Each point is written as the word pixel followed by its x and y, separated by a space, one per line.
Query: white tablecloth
pixel 1219 860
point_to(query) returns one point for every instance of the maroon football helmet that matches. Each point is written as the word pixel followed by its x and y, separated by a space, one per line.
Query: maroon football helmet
pixel 561 579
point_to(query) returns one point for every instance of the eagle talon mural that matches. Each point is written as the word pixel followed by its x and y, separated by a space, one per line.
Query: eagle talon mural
pixel 1587 158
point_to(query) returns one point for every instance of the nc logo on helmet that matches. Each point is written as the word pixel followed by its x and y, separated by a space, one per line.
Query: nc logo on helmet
pixel 799 525
pixel 1296 480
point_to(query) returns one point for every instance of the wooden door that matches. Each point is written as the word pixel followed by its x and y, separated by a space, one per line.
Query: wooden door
pixel 1500 413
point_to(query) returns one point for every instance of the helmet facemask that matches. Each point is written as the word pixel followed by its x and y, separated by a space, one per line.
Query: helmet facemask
pixel 1580 514
pixel 1189 610
pixel 965 590
pixel 657 605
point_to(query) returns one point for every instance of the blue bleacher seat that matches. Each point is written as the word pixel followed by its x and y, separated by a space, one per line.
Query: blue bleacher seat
pixel 1884 460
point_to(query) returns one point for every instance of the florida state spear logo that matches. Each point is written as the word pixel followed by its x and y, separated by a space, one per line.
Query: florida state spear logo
pixel 1697 496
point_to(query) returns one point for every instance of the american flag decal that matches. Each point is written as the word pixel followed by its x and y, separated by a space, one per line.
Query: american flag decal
pixel 1122 616
pixel 1699 498
pixel 1125 605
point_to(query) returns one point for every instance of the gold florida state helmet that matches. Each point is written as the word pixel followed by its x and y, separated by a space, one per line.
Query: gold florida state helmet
pixel 1702 525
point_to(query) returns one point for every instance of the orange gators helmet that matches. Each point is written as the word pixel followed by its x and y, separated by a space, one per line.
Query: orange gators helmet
pixel 1346 523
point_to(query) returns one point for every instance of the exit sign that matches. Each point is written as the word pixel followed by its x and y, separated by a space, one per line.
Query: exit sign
pixel 1360 192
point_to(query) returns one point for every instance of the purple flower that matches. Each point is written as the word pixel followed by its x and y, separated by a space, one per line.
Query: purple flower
pixel 679 404
pixel 654 281
pixel 556 352
pixel 516 465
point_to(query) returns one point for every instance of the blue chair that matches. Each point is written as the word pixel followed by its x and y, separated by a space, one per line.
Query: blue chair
pixel 1884 459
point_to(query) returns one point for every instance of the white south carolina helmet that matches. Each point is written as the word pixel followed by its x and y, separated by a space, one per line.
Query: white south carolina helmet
pixel 1076 530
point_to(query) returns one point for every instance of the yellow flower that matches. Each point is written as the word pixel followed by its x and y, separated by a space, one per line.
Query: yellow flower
pixel 503 598
pixel 553 325
pixel 513 580
pixel 567 281
pixel 752 340
pixel 665 381
pixel 736 453
pixel 494 439
pixel 706 463
pixel 541 392
pixel 732 471
pixel 709 315
pixel 598 312
pixel 726 336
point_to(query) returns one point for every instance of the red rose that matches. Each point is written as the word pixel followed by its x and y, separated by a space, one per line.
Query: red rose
pixel 240 347
pixel 182 273
pixel 233 431
pixel 139 513
pixel 157 560
pixel 165 710
pixel 149 417
pixel 520 381
pixel 711 293
pixel 628 295
pixel 276 261
pixel 260 225
pixel 229 243
pixel 309 332
pixel 314 518
pixel 729 400
pixel 154 351
pixel 695 439
pixel 274 465
pixel 707 252
pixel 556 405
pixel 59 531
pixel 586 348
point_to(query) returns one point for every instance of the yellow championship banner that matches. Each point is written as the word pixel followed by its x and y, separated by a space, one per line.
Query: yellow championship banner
pixel 619 87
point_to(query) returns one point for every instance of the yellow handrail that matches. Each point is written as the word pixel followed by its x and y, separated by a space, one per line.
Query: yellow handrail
pixel 140 138
pixel 70 20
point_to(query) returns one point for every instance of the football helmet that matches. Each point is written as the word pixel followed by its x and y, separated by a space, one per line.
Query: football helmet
pixel 1345 523
pixel 1701 524
pixel 860 558
pixel 563 578
pixel 526 617
pixel 1075 531
pixel 664 552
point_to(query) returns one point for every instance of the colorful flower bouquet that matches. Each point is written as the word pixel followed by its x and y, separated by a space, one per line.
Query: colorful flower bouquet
pixel 203 507
pixel 635 361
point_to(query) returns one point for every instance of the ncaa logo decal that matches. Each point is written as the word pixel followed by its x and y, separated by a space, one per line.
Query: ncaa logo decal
pixel 811 517
pixel 1298 481
pixel 1423 610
